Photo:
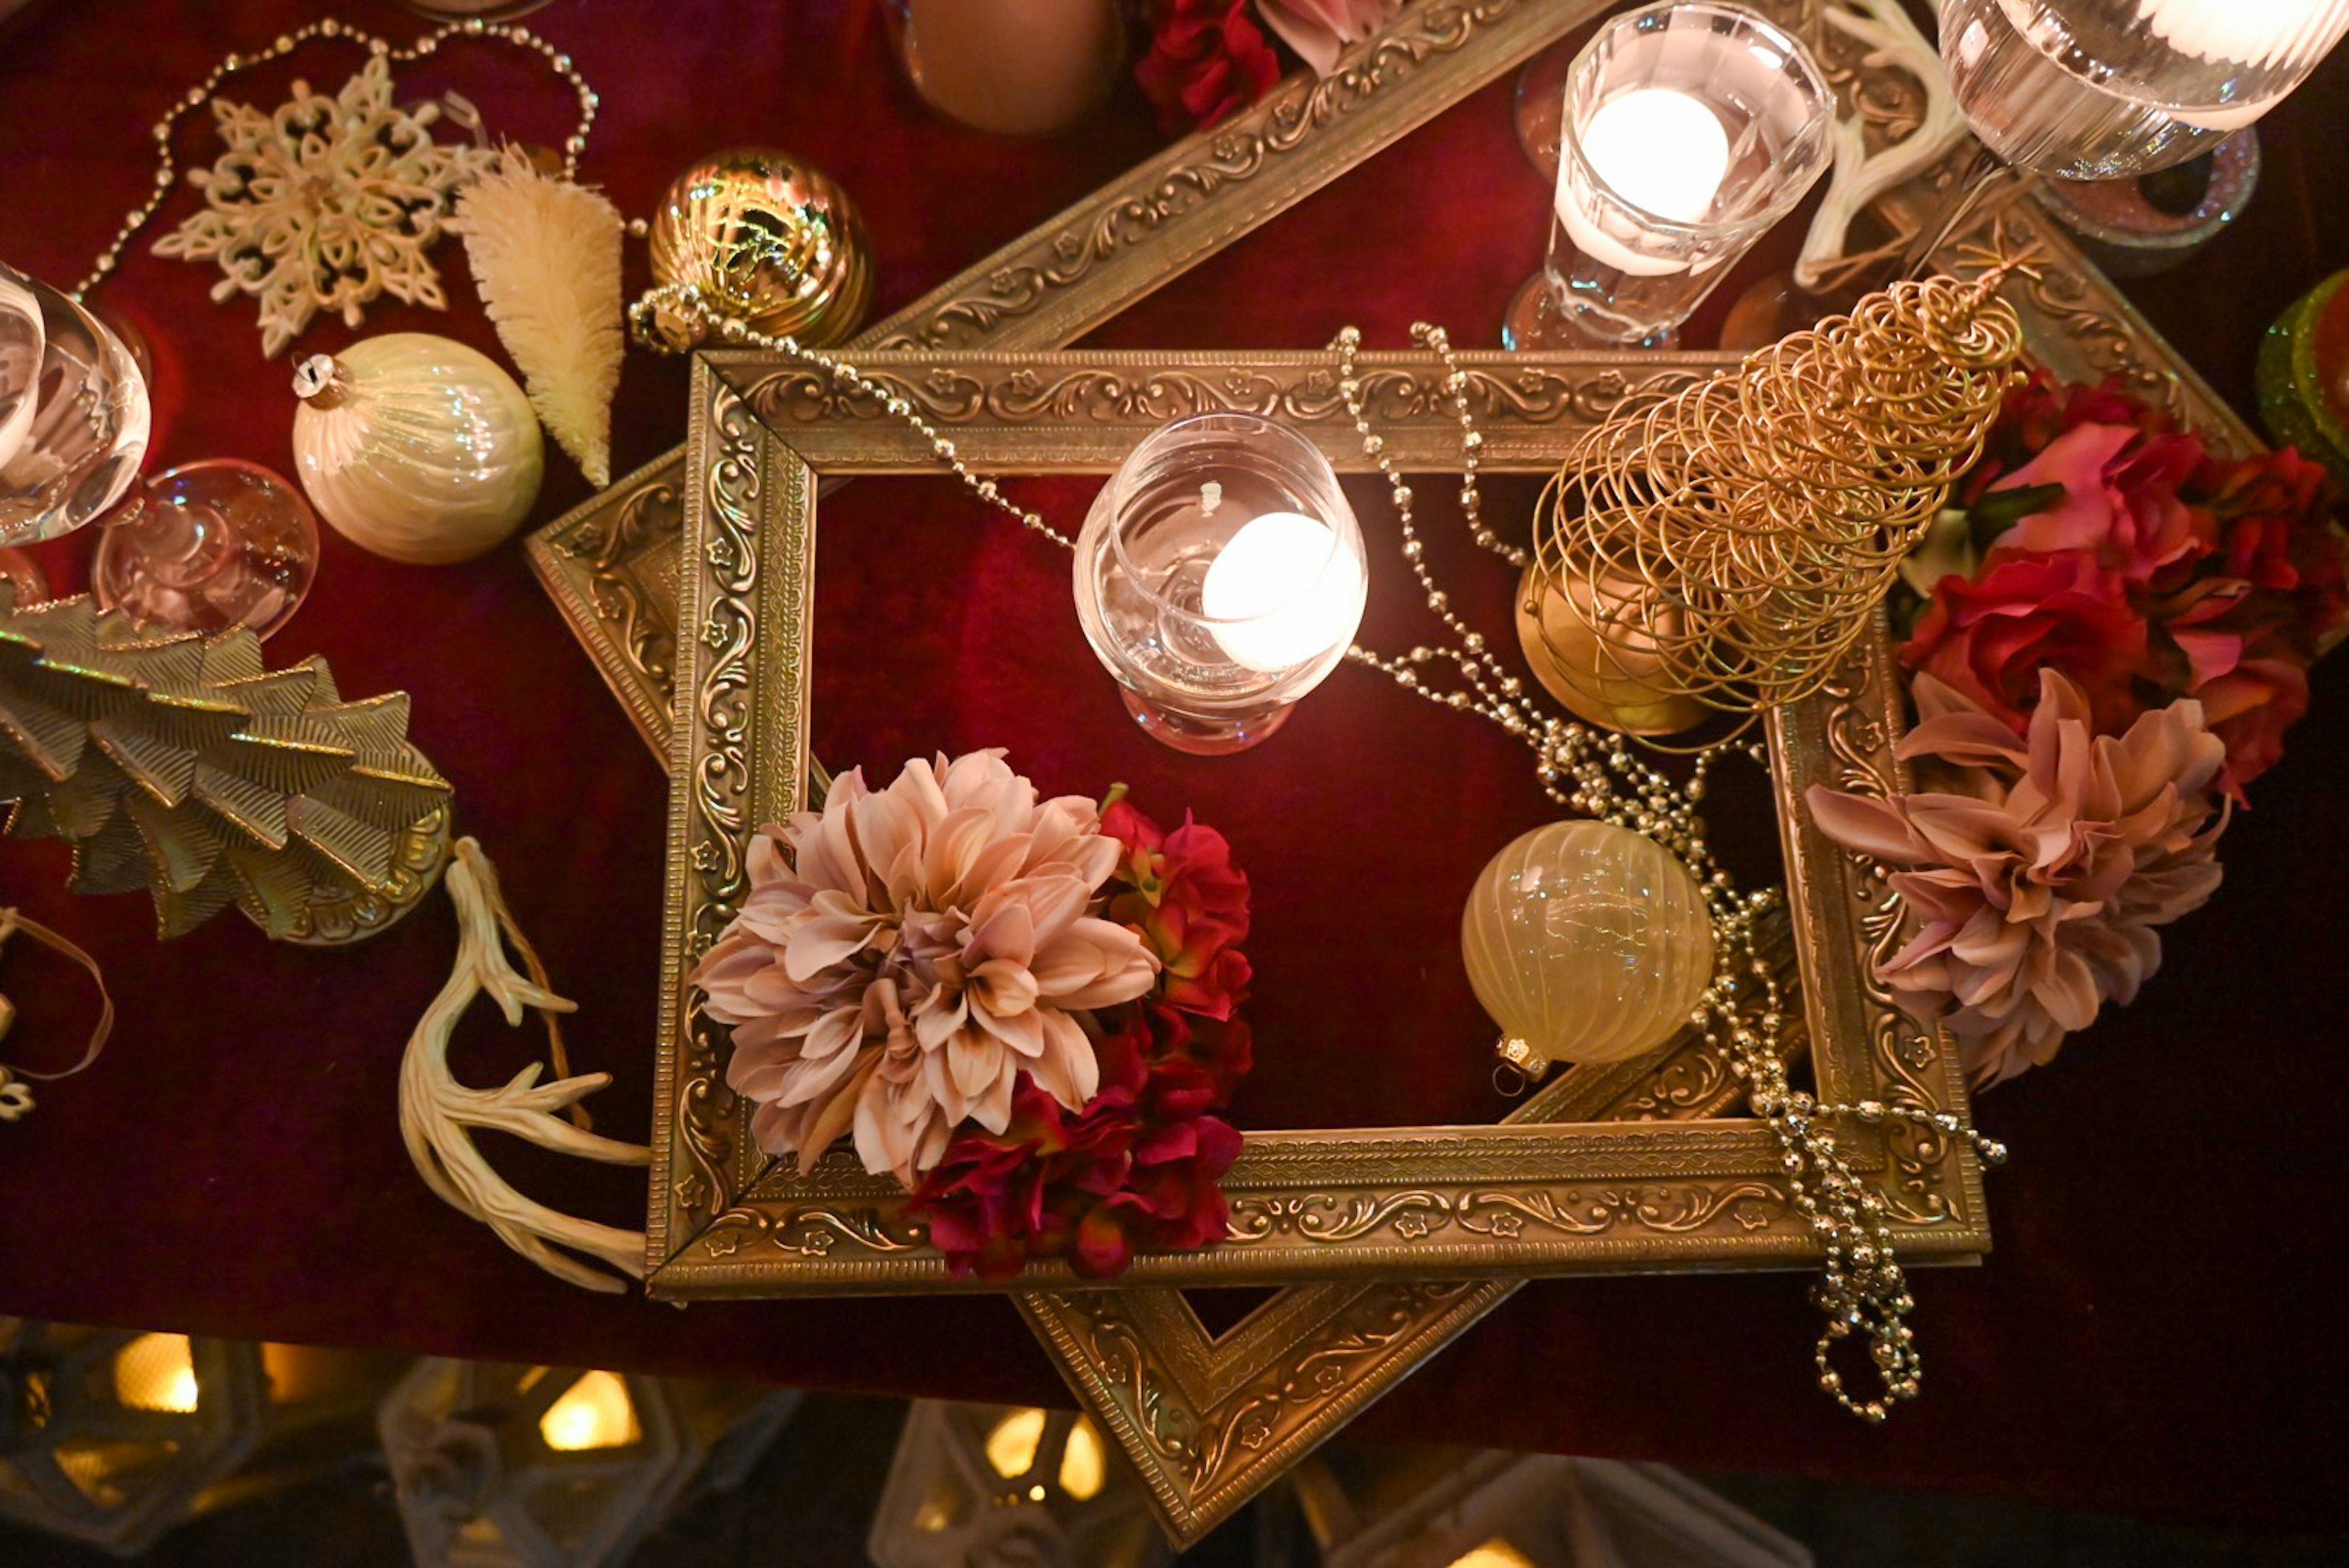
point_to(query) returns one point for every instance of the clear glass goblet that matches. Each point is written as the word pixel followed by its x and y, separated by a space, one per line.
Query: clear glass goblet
pixel 1219 577
pixel 202 547
pixel 1688 131
pixel 2109 89
pixel 72 435
pixel 206 546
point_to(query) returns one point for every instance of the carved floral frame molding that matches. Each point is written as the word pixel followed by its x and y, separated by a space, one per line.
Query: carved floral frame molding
pixel 1602 1172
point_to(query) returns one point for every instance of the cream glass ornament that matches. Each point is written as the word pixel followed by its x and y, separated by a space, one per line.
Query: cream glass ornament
pixel 1585 943
pixel 416 447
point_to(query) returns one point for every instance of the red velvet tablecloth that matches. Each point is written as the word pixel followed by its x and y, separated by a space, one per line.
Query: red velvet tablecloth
pixel 2153 1332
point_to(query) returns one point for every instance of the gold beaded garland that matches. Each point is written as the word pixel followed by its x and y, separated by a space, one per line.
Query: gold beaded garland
pixel 1862 1288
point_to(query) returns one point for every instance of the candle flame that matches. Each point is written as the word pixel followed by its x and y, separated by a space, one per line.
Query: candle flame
pixel 594 1413
pixel 157 1371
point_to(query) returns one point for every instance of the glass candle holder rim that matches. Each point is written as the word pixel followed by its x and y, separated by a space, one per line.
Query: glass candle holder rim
pixel 1306 582
pixel 1814 131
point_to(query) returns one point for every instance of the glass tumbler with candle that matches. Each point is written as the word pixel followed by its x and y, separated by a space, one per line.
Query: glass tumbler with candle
pixel 1688 131
pixel 1219 577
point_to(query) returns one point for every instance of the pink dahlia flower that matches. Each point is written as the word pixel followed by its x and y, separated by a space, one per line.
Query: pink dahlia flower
pixel 2036 877
pixel 1319 29
pixel 903 956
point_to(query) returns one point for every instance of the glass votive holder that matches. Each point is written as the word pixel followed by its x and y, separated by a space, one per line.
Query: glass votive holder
pixel 1219 577
pixel 1689 129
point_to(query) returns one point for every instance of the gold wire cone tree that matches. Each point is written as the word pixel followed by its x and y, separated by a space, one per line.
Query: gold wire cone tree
pixel 180 764
pixel 1724 545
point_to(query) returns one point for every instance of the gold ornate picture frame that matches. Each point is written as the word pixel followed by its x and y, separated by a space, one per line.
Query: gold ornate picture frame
pixel 1209 1420
pixel 1514 1200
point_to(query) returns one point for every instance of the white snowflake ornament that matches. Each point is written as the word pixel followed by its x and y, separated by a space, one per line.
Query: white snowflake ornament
pixel 325 204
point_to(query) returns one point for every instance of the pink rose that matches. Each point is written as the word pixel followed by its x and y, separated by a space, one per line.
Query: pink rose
pixel 1206 59
pixel 1991 636
pixel 2120 500
pixel 2042 408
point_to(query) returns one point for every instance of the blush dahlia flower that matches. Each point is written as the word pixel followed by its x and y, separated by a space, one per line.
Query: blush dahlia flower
pixel 904 956
pixel 2037 871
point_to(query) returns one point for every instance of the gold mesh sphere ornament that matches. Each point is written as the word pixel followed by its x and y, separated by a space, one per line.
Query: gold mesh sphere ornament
pixel 1726 544
pixel 767 241
pixel 1587 943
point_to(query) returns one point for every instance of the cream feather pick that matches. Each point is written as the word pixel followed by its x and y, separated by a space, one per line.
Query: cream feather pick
pixel 546 254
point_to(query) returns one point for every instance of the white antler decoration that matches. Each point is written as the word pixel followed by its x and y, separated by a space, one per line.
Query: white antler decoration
pixel 437 1115
pixel 1859 178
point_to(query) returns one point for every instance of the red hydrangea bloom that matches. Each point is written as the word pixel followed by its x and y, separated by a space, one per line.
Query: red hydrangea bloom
pixel 1136 1169
pixel 1190 904
pixel 2268 510
pixel 2247 629
pixel 1206 58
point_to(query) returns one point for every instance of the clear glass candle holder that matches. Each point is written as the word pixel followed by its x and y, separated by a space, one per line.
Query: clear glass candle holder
pixel 2103 89
pixel 1219 577
pixel 1689 129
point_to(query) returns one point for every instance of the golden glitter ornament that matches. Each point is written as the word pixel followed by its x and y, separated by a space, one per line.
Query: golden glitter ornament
pixel 1726 544
pixel 765 240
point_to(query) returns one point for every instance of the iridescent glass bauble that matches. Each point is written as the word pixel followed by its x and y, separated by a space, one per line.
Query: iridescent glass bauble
pixel 206 546
pixel 1587 942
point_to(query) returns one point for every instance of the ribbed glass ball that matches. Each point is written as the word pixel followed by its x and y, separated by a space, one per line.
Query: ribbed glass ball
pixel 1588 942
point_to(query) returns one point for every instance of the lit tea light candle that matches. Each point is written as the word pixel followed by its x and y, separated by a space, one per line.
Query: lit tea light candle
pixel 1283 592
pixel 1660 151
pixel 2252 32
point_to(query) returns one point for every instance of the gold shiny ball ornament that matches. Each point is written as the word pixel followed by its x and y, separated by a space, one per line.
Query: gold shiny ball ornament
pixel 1585 943
pixel 1588 647
pixel 767 241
